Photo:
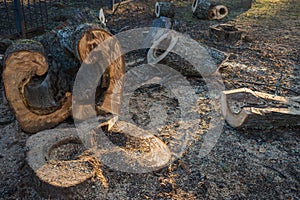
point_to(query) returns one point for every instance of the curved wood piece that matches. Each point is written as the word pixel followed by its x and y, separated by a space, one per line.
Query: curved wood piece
pixel 23 60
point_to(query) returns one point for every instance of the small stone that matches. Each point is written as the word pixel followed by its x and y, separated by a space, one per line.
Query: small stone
pixel 262 150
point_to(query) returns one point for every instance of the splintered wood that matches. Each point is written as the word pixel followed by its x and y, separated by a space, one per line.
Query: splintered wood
pixel 249 109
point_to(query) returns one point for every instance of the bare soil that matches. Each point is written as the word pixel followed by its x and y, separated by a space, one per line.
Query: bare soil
pixel 244 164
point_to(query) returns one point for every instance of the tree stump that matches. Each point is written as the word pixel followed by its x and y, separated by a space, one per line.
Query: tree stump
pixel 244 108
pixel 225 33
pixel 166 9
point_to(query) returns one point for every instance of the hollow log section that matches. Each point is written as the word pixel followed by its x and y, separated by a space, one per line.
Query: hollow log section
pixel 249 109
pixel 61 167
pixel 168 42
pixel 23 60
pixel 217 12
pixel 203 9
pixel 81 42
pixel 166 9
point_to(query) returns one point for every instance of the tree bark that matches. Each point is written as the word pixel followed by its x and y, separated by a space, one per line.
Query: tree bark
pixel 201 8
pixel 243 108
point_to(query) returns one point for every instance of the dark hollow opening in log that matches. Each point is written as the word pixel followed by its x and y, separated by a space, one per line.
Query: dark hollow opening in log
pixel 67 149
pixel 39 96
pixel 211 15
pixel 222 11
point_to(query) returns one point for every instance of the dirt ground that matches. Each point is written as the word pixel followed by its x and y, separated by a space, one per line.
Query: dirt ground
pixel 244 164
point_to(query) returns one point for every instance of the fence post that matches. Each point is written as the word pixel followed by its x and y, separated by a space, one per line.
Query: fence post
pixel 19 18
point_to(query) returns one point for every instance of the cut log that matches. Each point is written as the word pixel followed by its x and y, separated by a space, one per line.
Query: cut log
pixel 225 33
pixel 166 9
pixel 201 8
pixel 161 50
pixel 245 108
pixel 24 60
pixel 84 39
pixel 62 168
pixel 81 40
pixel 217 12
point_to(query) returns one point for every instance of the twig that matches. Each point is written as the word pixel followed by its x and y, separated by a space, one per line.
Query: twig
pixel 115 9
